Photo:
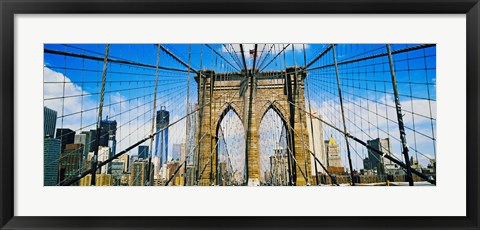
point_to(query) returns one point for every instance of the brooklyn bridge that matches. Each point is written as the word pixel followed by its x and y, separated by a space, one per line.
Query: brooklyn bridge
pixel 239 114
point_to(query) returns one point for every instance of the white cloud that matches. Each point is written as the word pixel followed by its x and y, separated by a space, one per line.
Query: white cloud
pixel 374 111
pixel 54 87
pixel 129 128
pixel 357 119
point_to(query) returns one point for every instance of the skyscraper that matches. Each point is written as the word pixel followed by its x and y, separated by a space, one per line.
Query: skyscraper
pixel 84 139
pixel 279 168
pixel 171 170
pixel 191 137
pixel 377 161
pixel 117 167
pixel 51 154
pixel 156 167
pixel 67 136
pixel 367 164
pixel 108 131
pixel 103 155
pixel 139 172
pixel 176 150
pixel 93 137
pixel 49 122
pixel 133 158
pixel 333 153
pixel 143 152
pixel 126 160
pixel 161 142
pixel 316 139
pixel 70 163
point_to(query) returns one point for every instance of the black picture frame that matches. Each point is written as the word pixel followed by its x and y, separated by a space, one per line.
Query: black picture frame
pixel 9 8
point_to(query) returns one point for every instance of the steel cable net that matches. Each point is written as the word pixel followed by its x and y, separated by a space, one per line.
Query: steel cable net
pixel 370 109
pixel 151 109
pixel 231 149
pixel 143 82
pixel 273 149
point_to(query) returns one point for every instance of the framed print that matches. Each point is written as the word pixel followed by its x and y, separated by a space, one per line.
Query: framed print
pixel 249 115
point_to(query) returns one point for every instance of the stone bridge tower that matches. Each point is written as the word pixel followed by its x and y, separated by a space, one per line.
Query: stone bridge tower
pixel 282 91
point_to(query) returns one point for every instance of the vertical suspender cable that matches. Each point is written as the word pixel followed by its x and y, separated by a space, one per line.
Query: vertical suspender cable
pixel 310 111
pixel 186 109
pixel 99 119
pixel 152 131
pixel 343 114
pixel 401 126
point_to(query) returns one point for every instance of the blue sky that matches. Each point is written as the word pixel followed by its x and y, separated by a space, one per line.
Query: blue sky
pixel 130 88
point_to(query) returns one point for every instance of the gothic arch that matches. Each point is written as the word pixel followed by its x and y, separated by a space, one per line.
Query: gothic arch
pixel 273 137
pixel 273 106
pixel 222 115
pixel 225 109
pixel 238 165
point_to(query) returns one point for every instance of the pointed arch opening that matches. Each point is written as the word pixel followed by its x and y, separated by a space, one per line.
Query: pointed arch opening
pixel 230 149
pixel 273 153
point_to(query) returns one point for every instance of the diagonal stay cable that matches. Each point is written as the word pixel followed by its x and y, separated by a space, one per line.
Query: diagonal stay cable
pixel 130 148
pixel 376 151
pixel 184 162
pixel 222 57
pixel 271 60
pixel 316 159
